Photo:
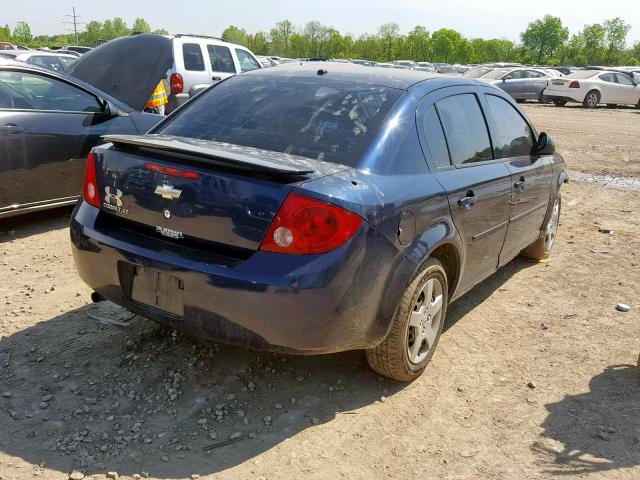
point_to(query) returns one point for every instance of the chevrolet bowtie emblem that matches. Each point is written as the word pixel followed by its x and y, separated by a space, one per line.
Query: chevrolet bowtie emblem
pixel 168 192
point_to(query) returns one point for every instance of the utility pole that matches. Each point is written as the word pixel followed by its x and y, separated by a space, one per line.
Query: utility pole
pixel 74 21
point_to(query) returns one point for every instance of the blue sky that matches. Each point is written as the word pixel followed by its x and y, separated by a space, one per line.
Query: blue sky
pixel 474 18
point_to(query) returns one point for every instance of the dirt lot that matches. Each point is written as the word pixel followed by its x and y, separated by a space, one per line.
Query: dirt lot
pixel 534 376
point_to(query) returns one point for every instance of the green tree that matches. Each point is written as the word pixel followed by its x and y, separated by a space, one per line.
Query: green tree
pixel 594 43
pixel 234 34
pixel 140 25
pixel 161 31
pixel 388 35
pixel 5 33
pixel 317 37
pixel 120 27
pixel 418 44
pixel 22 33
pixel 444 44
pixel 616 35
pixel 281 38
pixel 543 37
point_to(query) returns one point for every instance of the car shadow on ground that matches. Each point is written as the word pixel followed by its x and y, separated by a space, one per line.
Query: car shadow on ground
pixel 98 390
pixel 596 431
pixel 22 226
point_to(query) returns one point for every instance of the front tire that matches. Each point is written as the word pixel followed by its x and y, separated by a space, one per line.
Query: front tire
pixel 591 99
pixel 541 248
pixel 416 327
pixel 542 98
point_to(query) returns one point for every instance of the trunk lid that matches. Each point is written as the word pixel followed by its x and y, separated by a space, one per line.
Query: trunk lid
pixel 207 195
pixel 127 68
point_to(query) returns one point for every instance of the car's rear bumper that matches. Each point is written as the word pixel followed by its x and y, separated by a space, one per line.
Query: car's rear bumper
pixel 564 95
pixel 341 300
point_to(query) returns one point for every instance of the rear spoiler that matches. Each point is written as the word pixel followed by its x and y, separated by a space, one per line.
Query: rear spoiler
pixel 231 156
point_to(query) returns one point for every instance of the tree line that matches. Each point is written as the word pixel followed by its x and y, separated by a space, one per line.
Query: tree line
pixel 93 34
pixel 544 41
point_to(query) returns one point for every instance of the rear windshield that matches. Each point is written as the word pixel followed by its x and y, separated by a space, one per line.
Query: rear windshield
pixel 314 117
pixel 583 74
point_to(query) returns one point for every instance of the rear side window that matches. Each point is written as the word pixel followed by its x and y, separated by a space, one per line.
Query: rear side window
pixel 515 75
pixel 514 137
pixel 192 56
pixel 313 117
pixel 608 77
pixel 435 138
pixel 465 129
pixel 220 58
pixel 246 61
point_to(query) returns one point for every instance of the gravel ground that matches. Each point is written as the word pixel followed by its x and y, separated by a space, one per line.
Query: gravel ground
pixel 534 377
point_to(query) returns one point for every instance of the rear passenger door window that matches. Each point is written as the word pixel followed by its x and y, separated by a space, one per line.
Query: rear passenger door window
pixel 513 136
pixel 221 59
pixel 436 140
pixel 192 57
pixel 246 61
pixel 465 129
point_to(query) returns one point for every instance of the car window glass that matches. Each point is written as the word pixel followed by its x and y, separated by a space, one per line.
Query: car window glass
pixel 38 92
pixel 432 129
pixel 534 74
pixel 66 61
pixel 246 61
pixel 465 129
pixel 514 137
pixel 192 55
pixel 623 79
pixel 515 75
pixel 46 61
pixel 607 77
pixel 327 120
pixel 220 58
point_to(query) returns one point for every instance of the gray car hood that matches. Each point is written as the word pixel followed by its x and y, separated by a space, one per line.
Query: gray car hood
pixel 127 68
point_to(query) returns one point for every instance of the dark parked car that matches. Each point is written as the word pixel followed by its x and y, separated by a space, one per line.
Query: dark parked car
pixel 312 209
pixel 49 121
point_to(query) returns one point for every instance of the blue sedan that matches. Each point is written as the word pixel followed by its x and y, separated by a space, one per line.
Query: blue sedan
pixel 312 209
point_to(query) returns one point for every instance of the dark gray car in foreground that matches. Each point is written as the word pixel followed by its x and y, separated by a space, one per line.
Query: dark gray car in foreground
pixel 49 121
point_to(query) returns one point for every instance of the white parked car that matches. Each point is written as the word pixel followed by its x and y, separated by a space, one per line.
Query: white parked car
pixel 201 60
pixel 591 87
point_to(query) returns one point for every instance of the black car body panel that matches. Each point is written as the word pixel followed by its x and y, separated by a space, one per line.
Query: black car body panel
pixel 127 68
pixel 42 146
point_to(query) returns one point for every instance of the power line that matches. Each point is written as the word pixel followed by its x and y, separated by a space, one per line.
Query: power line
pixel 74 22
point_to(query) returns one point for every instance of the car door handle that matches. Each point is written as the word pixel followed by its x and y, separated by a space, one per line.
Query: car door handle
pixel 216 79
pixel 11 129
pixel 519 185
pixel 468 200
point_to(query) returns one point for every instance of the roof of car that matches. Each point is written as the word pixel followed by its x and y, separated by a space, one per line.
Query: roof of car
pixel 384 77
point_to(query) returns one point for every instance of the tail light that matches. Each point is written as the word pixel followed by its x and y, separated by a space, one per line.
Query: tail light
pixel 574 84
pixel 176 83
pixel 91 194
pixel 304 225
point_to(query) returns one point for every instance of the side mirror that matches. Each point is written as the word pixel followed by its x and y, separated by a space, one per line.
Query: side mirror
pixel 108 109
pixel 544 145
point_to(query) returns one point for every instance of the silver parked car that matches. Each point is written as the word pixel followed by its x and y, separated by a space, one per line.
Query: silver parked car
pixel 521 83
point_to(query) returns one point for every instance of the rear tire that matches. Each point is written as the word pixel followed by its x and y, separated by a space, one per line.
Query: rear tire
pixel 542 99
pixel 541 248
pixel 416 326
pixel 591 99
pixel 559 102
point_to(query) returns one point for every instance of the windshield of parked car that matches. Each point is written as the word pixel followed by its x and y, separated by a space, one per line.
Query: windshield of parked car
pixel 583 74
pixel 313 117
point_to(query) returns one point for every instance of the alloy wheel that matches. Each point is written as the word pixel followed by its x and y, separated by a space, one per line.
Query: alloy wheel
pixel 552 226
pixel 424 320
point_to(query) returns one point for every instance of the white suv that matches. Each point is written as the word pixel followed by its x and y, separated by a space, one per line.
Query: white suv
pixel 204 60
